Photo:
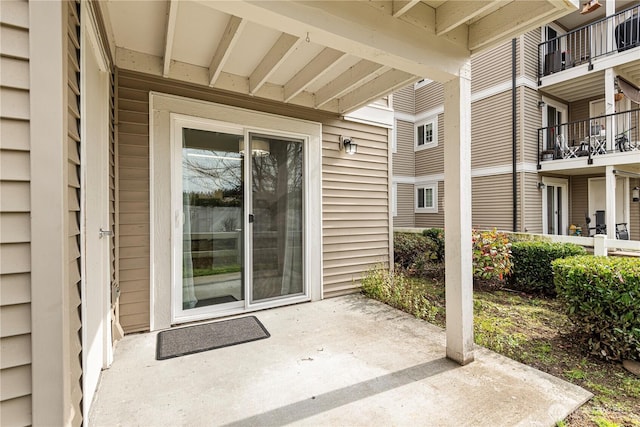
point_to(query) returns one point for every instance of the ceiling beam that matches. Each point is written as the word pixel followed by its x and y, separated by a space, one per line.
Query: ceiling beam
pixel 359 29
pixel 172 14
pixel 281 49
pixel 229 38
pixel 452 14
pixel 514 19
pixel 400 7
pixel 317 67
pixel 374 90
pixel 346 81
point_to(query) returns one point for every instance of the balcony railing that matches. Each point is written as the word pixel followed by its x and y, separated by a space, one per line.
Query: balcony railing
pixel 589 138
pixel 615 33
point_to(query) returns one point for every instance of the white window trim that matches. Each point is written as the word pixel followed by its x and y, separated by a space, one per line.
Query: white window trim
pixel 430 120
pixel 394 137
pixel 426 185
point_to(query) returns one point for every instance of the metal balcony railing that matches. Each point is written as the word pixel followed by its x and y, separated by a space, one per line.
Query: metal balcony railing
pixel 615 33
pixel 595 136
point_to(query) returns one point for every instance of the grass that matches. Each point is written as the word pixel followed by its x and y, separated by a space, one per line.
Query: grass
pixel 531 330
pixel 197 272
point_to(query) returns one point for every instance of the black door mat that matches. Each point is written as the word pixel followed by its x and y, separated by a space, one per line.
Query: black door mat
pixel 209 336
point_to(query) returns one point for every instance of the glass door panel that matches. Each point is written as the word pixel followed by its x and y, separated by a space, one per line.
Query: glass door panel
pixel 277 202
pixel 213 212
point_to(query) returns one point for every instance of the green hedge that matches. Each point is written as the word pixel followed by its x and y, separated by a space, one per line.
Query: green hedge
pixel 602 296
pixel 532 272
pixel 409 248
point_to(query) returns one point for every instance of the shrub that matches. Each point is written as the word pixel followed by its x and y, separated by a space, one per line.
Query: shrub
pixel 398 291
pixel 532 270
pixel 602 297
pixel 436 235
pixel 412 251
pixel 491 256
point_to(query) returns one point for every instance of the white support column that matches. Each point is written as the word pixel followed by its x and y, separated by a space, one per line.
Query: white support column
pixel 610 106
pixel 610 7
pixel 610 202
pixel 457 214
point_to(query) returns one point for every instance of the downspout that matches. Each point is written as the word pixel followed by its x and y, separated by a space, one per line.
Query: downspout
pixel 513 136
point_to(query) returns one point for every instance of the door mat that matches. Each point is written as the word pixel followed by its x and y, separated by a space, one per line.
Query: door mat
pixel 209 336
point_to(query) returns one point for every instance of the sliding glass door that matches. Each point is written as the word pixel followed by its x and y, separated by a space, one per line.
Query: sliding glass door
pixel 239 229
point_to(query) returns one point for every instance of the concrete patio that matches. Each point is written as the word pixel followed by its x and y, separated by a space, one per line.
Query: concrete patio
pixel 341 361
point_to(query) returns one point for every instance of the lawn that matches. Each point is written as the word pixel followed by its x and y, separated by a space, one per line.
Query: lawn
pixel 534 331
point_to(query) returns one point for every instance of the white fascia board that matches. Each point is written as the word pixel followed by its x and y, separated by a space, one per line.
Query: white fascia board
pixel 372 115
pixel 477 172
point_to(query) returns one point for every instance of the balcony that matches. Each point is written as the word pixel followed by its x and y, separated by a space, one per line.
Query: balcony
pixel 593 138
pixel 584 45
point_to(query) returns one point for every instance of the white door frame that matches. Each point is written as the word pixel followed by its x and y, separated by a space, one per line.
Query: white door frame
pixel 163 109
pixel 564 184
pixel 97 349
pixel 562 108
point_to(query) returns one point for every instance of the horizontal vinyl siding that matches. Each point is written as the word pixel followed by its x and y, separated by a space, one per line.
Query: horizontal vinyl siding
pixel 404 100
pixel 492 202
pixel 430 220
pixel 429 97
pixel 491 139
pixel 355 192
pixel 430 160
pixel 531 121
pixel 15 222
pixel 491 67
pixel 530 53
pixel 634 213
pixel 579 110
pixel 579 202
pixel 405 206
pixel 403 158
pixel 531 213
pixel 355 204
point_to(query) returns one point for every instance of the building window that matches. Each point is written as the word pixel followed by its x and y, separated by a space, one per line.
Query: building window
pixel 427 198
pixel 426 134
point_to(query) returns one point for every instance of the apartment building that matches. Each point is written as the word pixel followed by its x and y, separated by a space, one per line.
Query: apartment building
pixel 555 135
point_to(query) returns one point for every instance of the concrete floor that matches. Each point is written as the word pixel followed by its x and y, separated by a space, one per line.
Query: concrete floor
pixel 341 361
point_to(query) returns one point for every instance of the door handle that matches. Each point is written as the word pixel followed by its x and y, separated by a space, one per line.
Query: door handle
pixel 105 233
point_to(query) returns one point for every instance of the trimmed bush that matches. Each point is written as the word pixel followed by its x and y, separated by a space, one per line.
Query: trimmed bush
pixel 409 248
pixel 532 272
pixel 602 297
pixel 436 235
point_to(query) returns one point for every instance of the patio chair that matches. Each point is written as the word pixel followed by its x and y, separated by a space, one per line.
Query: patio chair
pixel 601 225
pixel 622 233
pixel 566 151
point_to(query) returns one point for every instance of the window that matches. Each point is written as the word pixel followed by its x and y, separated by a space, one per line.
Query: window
pixel 427 198
pixel 426 134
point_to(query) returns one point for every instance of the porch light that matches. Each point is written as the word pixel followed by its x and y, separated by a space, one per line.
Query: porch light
pixel 346 144
pixel 259 147
pixel 541 186
pixel 590 6
pixel 541 104
pixel 635 194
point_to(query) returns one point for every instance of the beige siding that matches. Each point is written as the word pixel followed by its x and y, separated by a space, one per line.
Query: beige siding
pixel 355 192
pixel 530 214
pixel 491 139
pixel 491 67
pixel 579 201
pixel 404 100
pixel 430 220
pixel 634 213
pixel 429 96
pixel 355 205
pixel 492 202
pixel 530 53
pixel 15 225
pixel 579 110
pixel 530 120
pixel 403 158
pixel 430 161
pixel 73 182
pixel 405 207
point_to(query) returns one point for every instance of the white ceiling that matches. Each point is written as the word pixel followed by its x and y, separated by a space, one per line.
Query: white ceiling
pixel 332 55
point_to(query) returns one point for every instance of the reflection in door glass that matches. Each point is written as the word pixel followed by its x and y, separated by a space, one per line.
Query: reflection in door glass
pixel 277 197
pixel 212 176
